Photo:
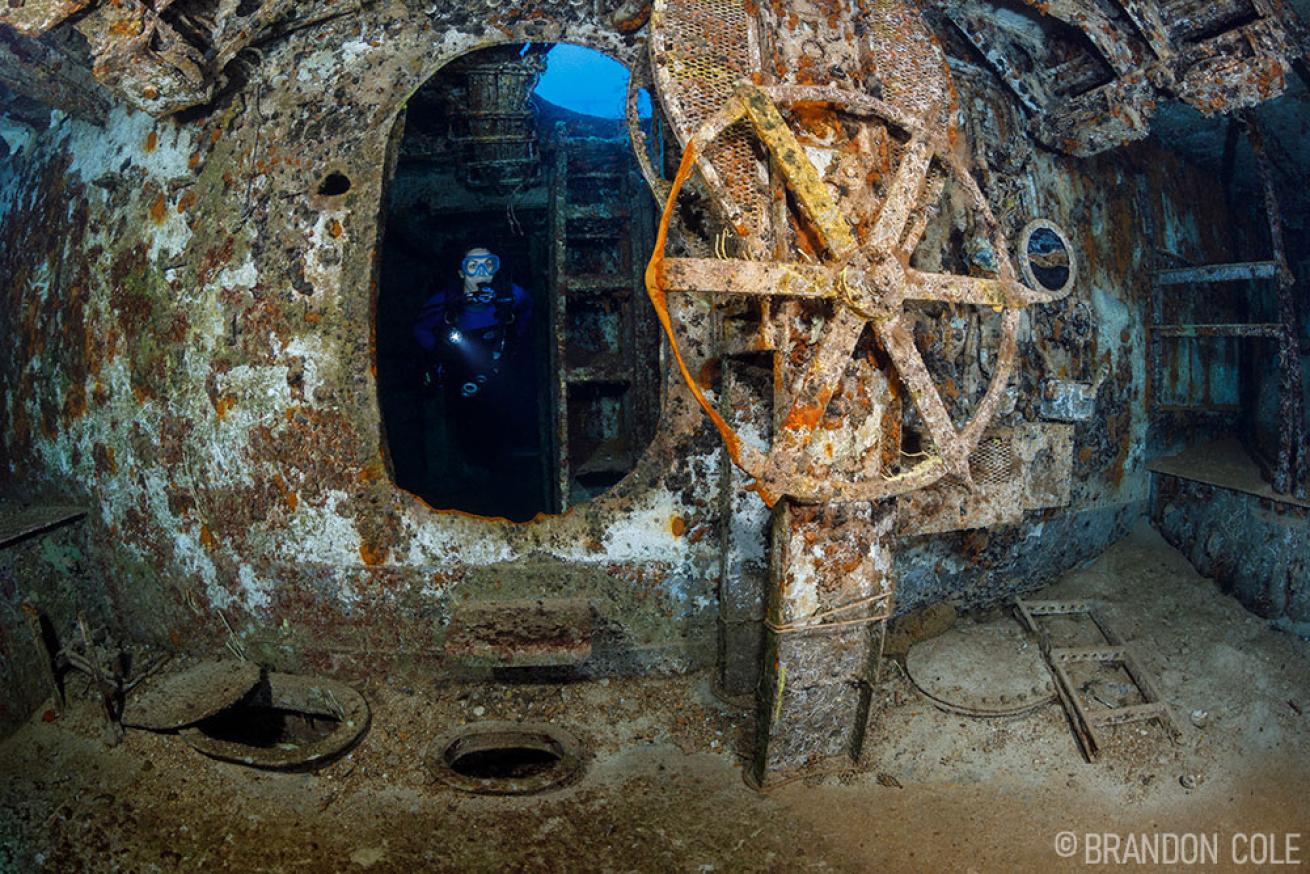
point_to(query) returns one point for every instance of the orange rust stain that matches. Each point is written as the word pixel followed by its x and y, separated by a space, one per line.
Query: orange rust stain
pixel 678 526
pixel 223 405
pixel 150 92
pixel 140 393
pixel 187 201
pixel 207 539
pixel 817 119
pixel 215 134
pixel 1085 453
pixel 803 417
pixel 194 161
pixel 371 556
pixel 312 317
pixel 152 141
pixel 158 209
pixel 335 229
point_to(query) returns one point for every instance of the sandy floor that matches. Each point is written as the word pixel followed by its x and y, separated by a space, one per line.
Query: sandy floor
pixel 663 791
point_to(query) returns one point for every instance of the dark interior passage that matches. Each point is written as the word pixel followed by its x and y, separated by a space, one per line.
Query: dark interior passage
pixel 554 194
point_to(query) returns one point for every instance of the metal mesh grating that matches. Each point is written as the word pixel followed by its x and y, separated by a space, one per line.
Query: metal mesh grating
pixel 703 50
pixel 992 463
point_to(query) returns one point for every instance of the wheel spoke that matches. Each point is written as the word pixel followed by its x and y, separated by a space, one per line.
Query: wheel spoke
pixel 756 278
pixel 914 373
pixel 800 173
pixel 816 384
pixel 931 196
pixel 951 288
pixel 902 195
pixel 1005 360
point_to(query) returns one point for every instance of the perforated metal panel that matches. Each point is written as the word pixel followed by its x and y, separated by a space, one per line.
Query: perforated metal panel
pixel 992 463
pixel 700 51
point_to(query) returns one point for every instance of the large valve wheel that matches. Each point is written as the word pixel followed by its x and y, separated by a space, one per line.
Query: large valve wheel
pixel 869 283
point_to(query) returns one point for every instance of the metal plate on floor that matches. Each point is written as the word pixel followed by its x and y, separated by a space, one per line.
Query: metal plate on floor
pixel 182 697
pixel 982 669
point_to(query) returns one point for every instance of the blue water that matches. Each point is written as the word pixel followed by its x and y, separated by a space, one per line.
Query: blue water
pixel 587 81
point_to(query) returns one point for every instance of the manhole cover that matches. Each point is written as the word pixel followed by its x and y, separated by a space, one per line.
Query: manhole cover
pixel 505 758
pixel 171 700
pixel 982 669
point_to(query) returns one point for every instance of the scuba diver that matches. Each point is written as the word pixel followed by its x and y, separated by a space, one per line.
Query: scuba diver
pixel 470 332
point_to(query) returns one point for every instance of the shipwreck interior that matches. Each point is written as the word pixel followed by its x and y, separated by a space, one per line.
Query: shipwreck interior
pixel 690 435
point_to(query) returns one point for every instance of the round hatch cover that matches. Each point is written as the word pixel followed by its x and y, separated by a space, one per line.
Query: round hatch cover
pixel 291 722
pixel 982 669
pixel 182 697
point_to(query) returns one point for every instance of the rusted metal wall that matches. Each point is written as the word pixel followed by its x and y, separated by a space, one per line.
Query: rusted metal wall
pixel 188 347
pixel 1118 209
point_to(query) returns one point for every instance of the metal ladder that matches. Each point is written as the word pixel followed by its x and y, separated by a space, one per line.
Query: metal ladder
pixel 601 403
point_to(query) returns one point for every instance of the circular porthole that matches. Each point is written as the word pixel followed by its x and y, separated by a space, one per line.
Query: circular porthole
pixel 1046 258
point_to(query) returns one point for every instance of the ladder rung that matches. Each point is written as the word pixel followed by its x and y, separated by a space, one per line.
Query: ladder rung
pixel 593 282
pixel 1216 273
pixel 1256 329
pixel 1088 654
pixel 596 234
pixel 594 212
pixel 597 373
pixel 1125 715
pixel 595 175
pixel 606 460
